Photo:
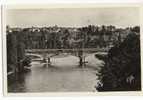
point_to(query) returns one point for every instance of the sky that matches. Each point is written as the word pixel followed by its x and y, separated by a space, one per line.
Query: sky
pixel 73 17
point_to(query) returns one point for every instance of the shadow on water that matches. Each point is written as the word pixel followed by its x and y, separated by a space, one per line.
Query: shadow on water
pixel 17 82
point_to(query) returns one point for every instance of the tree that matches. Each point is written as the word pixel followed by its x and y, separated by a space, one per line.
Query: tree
pixel 122 70
pixel 136 29
pixel 15 50
pixel 11 51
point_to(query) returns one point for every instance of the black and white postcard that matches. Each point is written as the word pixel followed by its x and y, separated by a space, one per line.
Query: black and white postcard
pixel 72 49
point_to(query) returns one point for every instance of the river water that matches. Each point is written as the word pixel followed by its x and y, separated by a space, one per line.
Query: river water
pixel 63 76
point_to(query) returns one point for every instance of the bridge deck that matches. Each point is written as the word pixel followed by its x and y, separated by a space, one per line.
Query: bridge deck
pixel 80 49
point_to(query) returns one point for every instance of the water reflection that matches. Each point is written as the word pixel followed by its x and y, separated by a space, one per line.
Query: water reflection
pixel 54 78
pixel 18 83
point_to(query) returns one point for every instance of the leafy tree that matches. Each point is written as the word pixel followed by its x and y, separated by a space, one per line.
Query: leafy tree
pixel 122 69
pixel 11 51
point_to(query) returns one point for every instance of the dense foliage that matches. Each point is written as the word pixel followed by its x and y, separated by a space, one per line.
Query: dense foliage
pixel 70 37
pixel 16 59
pixel 122 69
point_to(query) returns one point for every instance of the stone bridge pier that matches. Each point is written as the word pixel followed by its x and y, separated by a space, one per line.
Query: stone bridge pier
pixel 82 62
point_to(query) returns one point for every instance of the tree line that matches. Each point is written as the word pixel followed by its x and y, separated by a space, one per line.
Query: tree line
pixel 61 38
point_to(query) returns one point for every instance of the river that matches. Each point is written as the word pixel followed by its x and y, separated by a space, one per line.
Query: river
pixel 63 76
